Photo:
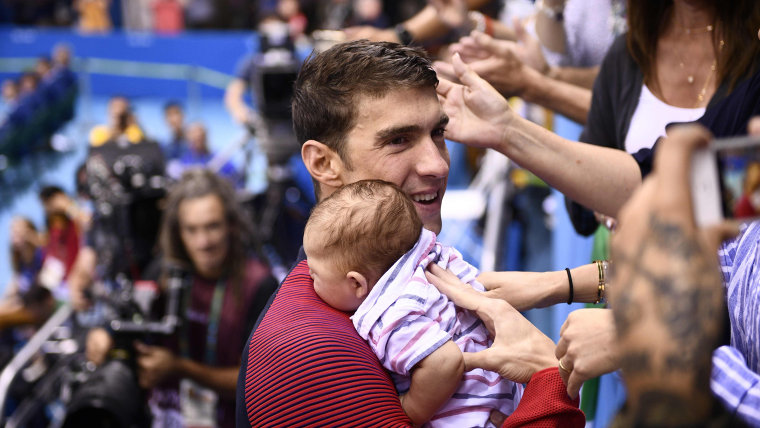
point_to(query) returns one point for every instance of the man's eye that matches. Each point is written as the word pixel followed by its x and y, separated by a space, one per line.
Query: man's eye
pixel 398 141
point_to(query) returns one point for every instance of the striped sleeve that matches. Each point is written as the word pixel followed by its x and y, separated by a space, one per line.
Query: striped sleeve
pixel 736 386
pixel 307 366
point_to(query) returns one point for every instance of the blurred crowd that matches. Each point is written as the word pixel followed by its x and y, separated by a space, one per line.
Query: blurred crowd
pixel 172 16
pixel 145 209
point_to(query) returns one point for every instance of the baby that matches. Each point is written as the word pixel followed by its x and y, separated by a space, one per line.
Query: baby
pixel 367 252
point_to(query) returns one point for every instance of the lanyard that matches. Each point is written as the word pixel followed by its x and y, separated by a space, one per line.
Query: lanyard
pixel 212 329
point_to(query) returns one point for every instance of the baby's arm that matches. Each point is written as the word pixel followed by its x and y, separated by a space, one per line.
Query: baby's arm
pixel 434 380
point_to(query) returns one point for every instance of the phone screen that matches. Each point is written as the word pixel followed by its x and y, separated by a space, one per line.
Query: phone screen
pixel 739 174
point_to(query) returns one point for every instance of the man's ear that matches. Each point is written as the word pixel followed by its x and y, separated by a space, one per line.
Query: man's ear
pixel 360 284
pixel 322 162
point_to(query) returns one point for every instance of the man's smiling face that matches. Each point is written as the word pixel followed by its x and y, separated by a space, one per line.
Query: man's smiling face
pixel 399 138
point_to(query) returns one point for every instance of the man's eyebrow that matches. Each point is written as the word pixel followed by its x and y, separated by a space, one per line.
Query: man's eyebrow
pixel 387 133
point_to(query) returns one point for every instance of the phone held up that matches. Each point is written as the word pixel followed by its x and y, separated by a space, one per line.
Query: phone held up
pixel 725 180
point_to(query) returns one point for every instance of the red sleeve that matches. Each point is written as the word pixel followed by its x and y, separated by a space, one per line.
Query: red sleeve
pixel 545 404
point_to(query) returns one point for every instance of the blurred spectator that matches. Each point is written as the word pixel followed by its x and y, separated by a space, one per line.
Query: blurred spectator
pixel 25 300
pixel 10 98
pixel 61 56
pixel 199 13
pixel 175 119
pixel 28 83
pixel 193 374
pixel 197 153
pixel 93 15
pixel 65 223
pixel 122 124
pixel 290 12
pixel 43 67
pixel 168 16
pixel 370 12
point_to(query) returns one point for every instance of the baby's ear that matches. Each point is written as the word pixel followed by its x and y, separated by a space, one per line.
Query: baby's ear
pixel 359 283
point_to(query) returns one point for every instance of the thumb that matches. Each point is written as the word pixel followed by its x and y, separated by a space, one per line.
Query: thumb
pixel 478 360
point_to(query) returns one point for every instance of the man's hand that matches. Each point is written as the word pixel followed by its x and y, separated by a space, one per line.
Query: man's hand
pixel 478 114
pixel 587 347
pixel 519 349
pixel 154 364
pixel 372 34
pixel 667 296
pixel 497 64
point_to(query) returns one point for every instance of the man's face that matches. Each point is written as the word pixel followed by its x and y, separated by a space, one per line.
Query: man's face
pixel 399 138
pixel 205 234
pixel 174 118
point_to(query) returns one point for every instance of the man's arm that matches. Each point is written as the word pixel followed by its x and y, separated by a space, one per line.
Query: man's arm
pixel 434 380
pixel 423 26
pixel 235 102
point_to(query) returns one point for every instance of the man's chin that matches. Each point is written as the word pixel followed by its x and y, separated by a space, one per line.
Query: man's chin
pixel 433 225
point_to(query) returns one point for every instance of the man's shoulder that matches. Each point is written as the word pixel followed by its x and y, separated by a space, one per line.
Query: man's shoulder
pixel 297 310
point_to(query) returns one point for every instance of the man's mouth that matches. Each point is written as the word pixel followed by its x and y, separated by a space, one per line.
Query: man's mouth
pixel 425 198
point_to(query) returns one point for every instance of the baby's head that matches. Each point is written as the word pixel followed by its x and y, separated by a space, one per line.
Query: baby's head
pixel 354 236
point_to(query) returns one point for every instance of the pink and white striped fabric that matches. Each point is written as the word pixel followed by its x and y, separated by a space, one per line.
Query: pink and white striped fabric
pixel 405 318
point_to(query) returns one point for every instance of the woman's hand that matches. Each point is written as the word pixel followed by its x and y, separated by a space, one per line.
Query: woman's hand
pixel 519 349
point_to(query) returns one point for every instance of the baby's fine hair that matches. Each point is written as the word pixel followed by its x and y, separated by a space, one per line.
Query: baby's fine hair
pixel 367 226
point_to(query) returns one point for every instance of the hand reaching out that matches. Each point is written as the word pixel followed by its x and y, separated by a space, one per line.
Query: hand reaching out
pixel 587 347
pixel 478 114
pixel 519 349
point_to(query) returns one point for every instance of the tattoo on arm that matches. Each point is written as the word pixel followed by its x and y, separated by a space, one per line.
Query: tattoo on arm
pixel 672 282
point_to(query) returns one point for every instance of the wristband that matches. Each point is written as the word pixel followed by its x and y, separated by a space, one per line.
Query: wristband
pixel 602 267
pixel 570 281
pixel 404 36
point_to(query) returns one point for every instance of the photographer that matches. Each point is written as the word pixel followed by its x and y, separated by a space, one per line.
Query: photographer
pixel 194 374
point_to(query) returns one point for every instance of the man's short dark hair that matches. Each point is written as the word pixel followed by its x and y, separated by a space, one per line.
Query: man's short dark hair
pixel 330 83
pixel 47 192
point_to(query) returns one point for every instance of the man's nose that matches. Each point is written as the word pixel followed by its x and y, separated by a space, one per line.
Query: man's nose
pixel 433 159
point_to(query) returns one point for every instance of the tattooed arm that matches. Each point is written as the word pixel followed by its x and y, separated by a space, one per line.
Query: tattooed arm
pixel 668 303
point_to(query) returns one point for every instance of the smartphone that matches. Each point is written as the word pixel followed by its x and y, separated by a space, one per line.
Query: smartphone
pixel 725 180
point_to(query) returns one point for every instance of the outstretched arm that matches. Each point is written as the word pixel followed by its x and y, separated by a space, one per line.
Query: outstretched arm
pixel 597 177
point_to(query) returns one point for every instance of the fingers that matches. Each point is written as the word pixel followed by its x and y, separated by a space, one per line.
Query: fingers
pixel 574 383
pixel 753 128
pixel 564 371
pixel 464 73
pixel 141 348
pixel 478 360
pixel 445 70
pixel 673 162
pixel 561 348
pixel 519 28
pixel 497 418
pixel 444 87
pixel 448 284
